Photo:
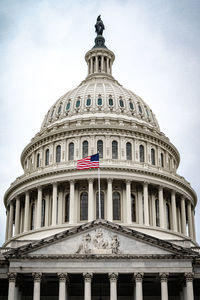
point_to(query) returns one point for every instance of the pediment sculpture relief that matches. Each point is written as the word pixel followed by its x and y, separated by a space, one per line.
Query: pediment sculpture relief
pixel 99 244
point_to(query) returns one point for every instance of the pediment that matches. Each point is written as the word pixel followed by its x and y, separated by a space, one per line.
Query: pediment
pixel 99 238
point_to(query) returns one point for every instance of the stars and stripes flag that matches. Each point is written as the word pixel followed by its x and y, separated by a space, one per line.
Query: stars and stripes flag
pixel 88 162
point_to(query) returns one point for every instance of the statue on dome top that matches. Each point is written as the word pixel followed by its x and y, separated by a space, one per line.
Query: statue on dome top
pixel 99 26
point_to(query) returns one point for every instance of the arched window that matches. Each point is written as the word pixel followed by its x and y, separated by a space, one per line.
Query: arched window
pixel 162 160
pixel 88 101
pixel 99 101
pixel 84 206
pixel 58 153
pixel 67 208
pixel 38 160
pixel 140 109
pixel 131 105
pixel 43 213
pixel 85 148
pixel 102 204
pixel 67 106
pixel 59 109
pixel 141 153
pixel 121 103
pixel 100 148
pixel 168 215
pixel 157 212
pixel 32 216
pixel 71 151
pixel 153 159
pixel 110 101
pixel 133 208
pixel 78 102
pixel 128 151
pixel 116 206
pixel 114 150
pixel 47 157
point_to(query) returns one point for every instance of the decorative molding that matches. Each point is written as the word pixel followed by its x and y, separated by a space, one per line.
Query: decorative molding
pixel 37 276
pixel 12 277
pixel 113 277
pixel 189 277
pixel 63 277
pixel 164 277
pixel 138 277
pixel 88 277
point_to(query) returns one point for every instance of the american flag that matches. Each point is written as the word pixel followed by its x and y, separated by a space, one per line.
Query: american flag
pixel 88 162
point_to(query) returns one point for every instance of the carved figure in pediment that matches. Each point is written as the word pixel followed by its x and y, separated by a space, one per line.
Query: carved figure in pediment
pixel 85 246
pixel 99 241
pixel 115 244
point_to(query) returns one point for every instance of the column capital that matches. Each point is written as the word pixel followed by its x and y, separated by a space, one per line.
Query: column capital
pixel 27 193
pixel 128 181
pixel 63 277
pixel 12 277
pixel 138 277
pixel 160 187
pixel 37 276
pixel 110 180
pixel 164 277
pixel 72 181
pixel 113 276
pixel 145 183
pixel 173 192
pixel 189 276
pixel 90 180
pixel 88 277
pixel 39 187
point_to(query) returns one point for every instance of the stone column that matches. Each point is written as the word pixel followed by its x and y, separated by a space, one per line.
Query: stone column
pixel 46 219
pixel 161 207
pixel 90 200
pixel 11 288
pixel 109 201
pixel 91 65
pixel 193 225
pixel 189 286
pixel 36 288
pixel 39 208
pixel 164 286
pixel 189 213
pixel 140 208
pixel 7 222
pixel 54 204
pixel 26 212
pixel 63 282
pixel 183 216
pixel 10 227
pixel 71 202
pixel 96 64
pixel 146 203
pixel 138 286
pixel 17 215
pixel 87 285
pixel 113 285
pixel 153 210
pixel 60 207
pixel 102 63
pixel 128 202
pixel 174 214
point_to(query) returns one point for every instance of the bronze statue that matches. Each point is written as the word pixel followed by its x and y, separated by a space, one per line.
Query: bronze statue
pixel 99 26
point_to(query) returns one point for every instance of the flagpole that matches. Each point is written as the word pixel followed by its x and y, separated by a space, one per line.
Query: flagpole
pixel 99 192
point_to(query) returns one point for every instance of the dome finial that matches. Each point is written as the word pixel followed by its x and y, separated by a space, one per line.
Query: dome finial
pixel 99 28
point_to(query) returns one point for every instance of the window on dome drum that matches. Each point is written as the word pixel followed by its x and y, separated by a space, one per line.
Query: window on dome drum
pixel 131 106
pixel 67 208
pixel 58 153
pixel 116 206
pixel 141 153
pixel 162 160
pixel 153 159
pixel 43 213
pixel 157 212
pixel 71 151
pixel 128 151
pixel 99 101
pixel 68 106
pixel 52 113
pixel 133 208
pixel 147 112
pixel 47 157
pixel 140 109
pixel 114 150
pixel 88 102
pixel 121 103
pixel 110 102
pixel 78 102
pixel 100 148
pixel 32 216
pixel 168 215
pixel 85 149
pixel 38 160
pixel 102 204
pixel 59 109
pixel 84 206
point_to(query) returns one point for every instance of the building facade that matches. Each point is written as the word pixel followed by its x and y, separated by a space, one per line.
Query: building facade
pixel 143 246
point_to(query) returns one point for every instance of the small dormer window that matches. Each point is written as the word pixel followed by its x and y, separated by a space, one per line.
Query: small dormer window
pixel 99 101
pixel 110 101
pixel 88 101
pixel 78 102
pixel 59 109
pixel 121 103
pixel 68 106
pixel 131 106
pixel 140 109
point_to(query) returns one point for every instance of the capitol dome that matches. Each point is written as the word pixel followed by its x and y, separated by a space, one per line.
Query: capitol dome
pixel 140 187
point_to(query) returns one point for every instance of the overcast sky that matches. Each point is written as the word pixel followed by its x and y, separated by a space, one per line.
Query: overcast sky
pixel 42 48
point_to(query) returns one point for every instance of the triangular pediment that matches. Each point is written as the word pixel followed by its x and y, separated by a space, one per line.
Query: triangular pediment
pixel 99 238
